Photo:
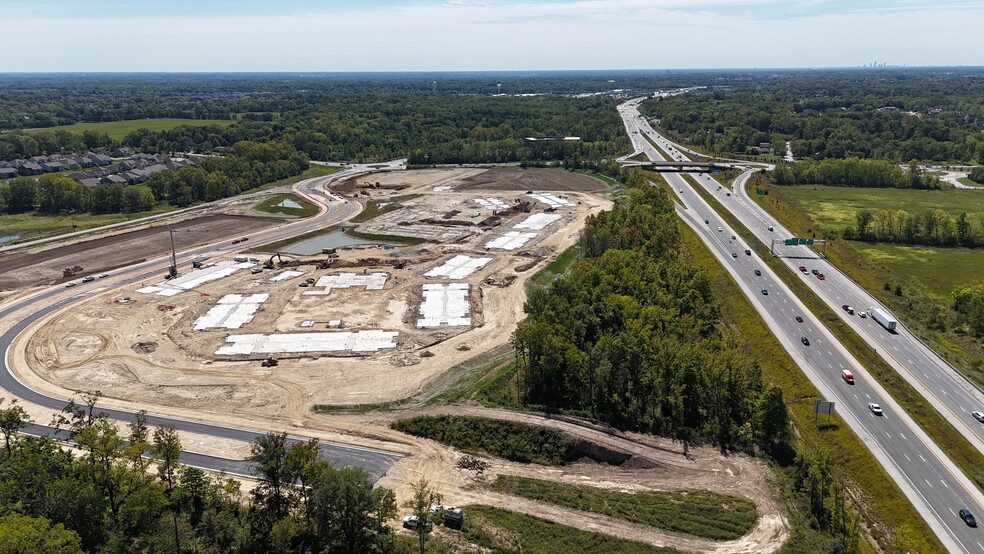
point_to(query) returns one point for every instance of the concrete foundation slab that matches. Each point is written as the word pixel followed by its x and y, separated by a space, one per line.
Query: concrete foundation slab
pixel 537 221
pixel 492 203
pixel 458 267
pixel 445 304
pixel 372 281
pixel 195 278
pixel 283 276
pixel 294 343
pixel 551 200
pixel 232 312
pixel 510 240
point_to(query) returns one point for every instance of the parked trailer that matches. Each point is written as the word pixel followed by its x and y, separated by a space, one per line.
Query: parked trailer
pixel 884 318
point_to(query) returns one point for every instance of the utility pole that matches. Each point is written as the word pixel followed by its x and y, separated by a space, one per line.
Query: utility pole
pixel 174 256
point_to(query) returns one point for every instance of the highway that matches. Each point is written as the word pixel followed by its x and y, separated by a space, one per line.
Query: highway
pixel 52 299
pixel 929 479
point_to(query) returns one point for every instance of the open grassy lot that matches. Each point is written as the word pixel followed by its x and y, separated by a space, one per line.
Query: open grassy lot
pixel 272 206
pixel 695 512
pixel 555 268
pixel 939 270
pixel 119 129
pixel 312 171
pixel 502 531
pixel 835 207
pixel 33 227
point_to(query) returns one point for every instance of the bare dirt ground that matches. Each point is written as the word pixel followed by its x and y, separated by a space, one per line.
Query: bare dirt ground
pixel 44 266
pixel 141 356
pixel 505 178
pixel 667 469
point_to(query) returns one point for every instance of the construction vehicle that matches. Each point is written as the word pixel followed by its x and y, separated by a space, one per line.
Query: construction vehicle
pixel 269 263
pixel 454 518
pixel 269 362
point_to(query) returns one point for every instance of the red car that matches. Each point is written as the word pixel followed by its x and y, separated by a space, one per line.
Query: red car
pixel 821 277
pixel 803 269
pixel 848 376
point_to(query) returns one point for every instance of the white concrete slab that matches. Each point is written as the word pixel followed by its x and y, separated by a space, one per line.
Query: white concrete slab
pixel 372 281
pixel 510 240
pixel 284 343
pixel 458 267
pixel 195 278
pixel 550 200
pixel 283 276
pixel 231 312
pixel 492 203
pixel 537 221
pixel 445 304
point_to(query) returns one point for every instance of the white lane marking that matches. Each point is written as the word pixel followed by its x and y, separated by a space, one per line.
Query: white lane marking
pixel 921 458
pixel 979 544
pixel 830 353
pixel 944 483
pixel 830 366
pixel 856 396
pixel 907 456
pixel 944 392
pixel 868 395
pixel 951 511
pixel 928 483
pixel 887 434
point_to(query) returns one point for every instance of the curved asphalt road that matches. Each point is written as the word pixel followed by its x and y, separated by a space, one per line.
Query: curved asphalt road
pixel 929 479
pixel 376 462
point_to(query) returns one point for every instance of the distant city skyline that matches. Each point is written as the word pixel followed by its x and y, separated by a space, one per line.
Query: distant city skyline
pixel 484 35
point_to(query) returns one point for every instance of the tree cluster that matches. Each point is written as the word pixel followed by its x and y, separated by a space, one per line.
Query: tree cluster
pixel 968 307
pixel 109 498
pixel 632 336
pixel 932 227
pixel 56 194
pixel 893 115
pixel 854 172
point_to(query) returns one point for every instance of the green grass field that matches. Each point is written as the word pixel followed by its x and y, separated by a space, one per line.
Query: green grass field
pixel 502 531
pixel 938 270
pixel 555 268
pixel 968 182
pixel 119 129
pixel 835 207
pixel 694 512
pixel 33 227
pixel 271 206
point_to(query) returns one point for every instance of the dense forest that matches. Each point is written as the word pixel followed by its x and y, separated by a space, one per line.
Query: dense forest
pixel 897 115
pixel 122 492
pixel 932 228
pixel 632 336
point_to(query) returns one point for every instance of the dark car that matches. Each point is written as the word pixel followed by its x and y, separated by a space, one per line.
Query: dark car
pixel 748 252
pixel 805 341
pixel 799 318
pixel 968 517
pixel 765 292
pixel 759 273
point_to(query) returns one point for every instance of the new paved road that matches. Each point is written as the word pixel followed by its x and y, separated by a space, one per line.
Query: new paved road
pixel 376 462
pixel 931 481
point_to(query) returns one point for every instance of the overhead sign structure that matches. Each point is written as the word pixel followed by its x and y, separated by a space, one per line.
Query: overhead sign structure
pixel 822 407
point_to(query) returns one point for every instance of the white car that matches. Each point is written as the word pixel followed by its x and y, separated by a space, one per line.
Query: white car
pixel 978 416
pixel 103 275
pixel 720 229
pixel 875 408
pixel 862 314
pixel 70 284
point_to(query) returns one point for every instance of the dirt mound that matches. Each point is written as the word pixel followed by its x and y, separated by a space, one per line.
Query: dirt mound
pixel 503 178
pixel 144 347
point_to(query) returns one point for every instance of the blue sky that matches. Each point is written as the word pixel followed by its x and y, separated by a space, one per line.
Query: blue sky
pixel 454 35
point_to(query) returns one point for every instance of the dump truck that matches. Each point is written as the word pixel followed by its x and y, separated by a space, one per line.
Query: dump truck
pixel 883 317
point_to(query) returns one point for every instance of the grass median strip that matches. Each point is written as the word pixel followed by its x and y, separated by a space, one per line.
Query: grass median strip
pixel 694 512
pixel 504 531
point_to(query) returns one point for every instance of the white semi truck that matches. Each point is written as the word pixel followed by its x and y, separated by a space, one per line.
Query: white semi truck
pixel 884 318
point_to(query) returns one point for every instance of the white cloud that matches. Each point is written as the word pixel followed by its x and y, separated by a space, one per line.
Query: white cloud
pixel 476 35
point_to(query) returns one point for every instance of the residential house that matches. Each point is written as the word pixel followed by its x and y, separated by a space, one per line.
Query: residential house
pixel 30 168
pixel 8 172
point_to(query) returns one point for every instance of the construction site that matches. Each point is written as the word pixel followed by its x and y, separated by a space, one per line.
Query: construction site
pixel 369 322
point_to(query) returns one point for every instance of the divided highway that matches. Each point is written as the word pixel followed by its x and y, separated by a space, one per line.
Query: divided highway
pixel 50 300
pixel 929 479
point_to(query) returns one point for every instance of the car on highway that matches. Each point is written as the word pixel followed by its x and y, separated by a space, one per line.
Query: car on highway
pixel 758 273
pixel 814 271
pixel 968 517
pixel 803 269
pixel 799 319
pixel 805 341
pixel 707 221
pixel 862 314
pixel 88 279
pixel 748 252
pixel 821 277
pixel 103 275
pixel 847 376
pixel 848 308
pixel 770 228
pixel 681 191
pixel 765 292
pixel 875 408
pixel 70 284
pixel 978 416
pixel 720 229
pixel 734 237
pixel 734 254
